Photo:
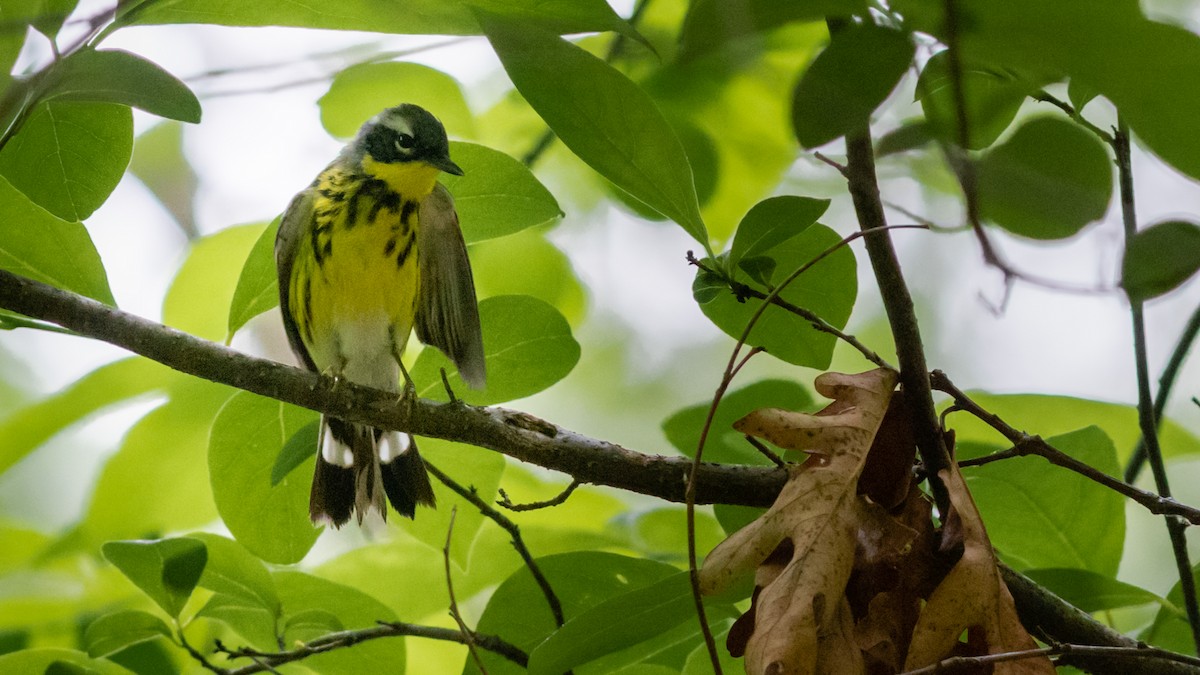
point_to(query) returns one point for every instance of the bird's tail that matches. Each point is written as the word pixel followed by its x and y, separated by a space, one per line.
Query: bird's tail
pixel 357 466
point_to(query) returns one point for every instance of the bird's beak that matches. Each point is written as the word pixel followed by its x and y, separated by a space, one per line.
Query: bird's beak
pixel 445 164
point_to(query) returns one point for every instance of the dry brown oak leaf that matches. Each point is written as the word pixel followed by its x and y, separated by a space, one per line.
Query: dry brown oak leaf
pixel 801 621
pixel 972 598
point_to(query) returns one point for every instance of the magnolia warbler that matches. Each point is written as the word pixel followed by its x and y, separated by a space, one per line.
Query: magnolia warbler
pixel 370 250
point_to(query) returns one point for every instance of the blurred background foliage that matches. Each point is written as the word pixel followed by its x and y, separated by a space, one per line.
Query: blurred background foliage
pixel 593 317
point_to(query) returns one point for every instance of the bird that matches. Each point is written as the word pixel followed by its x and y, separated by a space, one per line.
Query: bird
pixel 369 251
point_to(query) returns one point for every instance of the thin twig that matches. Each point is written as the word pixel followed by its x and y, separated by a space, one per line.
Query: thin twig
pixel 1146 417
pixel 841 168
pixel 1026 444
pixel 1166 382
pixel 348 638
pixel 972 664
pixel 446 385
pixel 467 633
pixel 1045 97
pixel 507 503
pixel 765 451
pixel 195 654
pixel 922 220
pixel 514 533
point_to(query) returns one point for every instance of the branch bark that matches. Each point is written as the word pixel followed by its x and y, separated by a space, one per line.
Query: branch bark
pixel 516 434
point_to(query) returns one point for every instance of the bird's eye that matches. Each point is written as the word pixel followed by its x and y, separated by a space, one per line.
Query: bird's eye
pixel 405 142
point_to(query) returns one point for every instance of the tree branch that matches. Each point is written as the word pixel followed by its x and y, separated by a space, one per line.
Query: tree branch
pixel 510 432
pixel 898 303
pixel 1166 382
pixel 1147 420
pixel 1051 619
pixel 514 533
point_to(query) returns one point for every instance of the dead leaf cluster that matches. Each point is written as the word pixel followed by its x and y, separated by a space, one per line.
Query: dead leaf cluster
pixel 851 576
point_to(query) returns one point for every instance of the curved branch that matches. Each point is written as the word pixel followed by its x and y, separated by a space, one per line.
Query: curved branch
pixel 516 434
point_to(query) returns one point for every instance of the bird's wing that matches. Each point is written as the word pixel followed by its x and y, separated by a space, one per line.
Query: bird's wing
pixel 447 312
pixel 296 221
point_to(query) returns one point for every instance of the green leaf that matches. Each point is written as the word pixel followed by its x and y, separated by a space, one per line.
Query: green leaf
pixel 13 640
pixel 772 222
pixel 26 429
pixel 1160 258
pixel 711 24
pixel 311 623
pixel 497 195
pixel 616 623
pixel 234 571
pixel 200 298
pixel 303 595
pixel 68 156
pixel 546 272
pixel 1110 52
pixel 724 445
pixel 660 533
pixel 1080 95
pixel 16 14
pixel 1042 516
pixel 1090 591
pixel 847 82
pixel 21 547
pixel 116 76
pixel 699 662
pixel 43 660
pixel 477 468
pixel 360 92
pixel 1170 629
pixel 602 116
pixel 298 448
pixel 37 245
pixel 113 632
pixel 420 17
pixel 1047 181
pixel 165 569
pixel 528 346
pixel 258 285
pixel 992 97
pixel 247 618
pixel 159 162
pixel 827 289
pixel 271 521
pixel 733 518
pixel 759 268
pixel 156 480
pixel 518 612
pixel 908 136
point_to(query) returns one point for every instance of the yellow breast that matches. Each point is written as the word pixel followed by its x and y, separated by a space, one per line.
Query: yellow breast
pixel 363 277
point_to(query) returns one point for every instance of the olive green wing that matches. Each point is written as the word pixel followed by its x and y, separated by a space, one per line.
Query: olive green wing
pixel 293 227
pixel 447 312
